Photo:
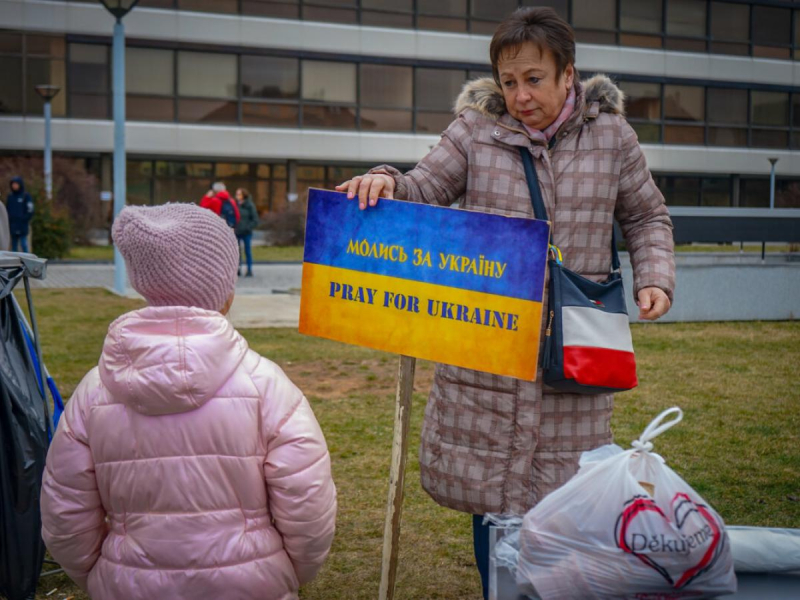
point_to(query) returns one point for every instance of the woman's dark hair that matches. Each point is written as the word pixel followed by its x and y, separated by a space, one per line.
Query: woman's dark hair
pixel 540 25
pixel 245 193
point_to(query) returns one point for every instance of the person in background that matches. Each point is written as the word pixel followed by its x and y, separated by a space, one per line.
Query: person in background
pixel 244 230
pixel 186 465
pixel 5 233
pixel 20 212
pixel 211 202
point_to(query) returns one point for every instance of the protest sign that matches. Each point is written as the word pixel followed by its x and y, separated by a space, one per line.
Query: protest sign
pixel 452 286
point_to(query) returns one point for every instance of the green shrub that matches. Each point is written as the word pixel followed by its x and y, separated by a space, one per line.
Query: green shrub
pixel 51 231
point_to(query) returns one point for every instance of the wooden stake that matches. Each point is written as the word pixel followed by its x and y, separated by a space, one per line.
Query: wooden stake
pixel 397 475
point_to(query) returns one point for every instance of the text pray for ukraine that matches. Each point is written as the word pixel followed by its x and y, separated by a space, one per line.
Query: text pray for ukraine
pixel 436 308
pixel 454 262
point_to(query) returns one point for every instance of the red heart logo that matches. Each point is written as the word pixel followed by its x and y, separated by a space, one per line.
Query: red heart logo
pixel 644 531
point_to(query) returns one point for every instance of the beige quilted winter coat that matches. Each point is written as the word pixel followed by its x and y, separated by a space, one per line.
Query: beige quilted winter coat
pixel 498 444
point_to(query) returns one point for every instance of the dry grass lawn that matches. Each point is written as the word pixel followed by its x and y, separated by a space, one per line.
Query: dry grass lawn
pixel 739 443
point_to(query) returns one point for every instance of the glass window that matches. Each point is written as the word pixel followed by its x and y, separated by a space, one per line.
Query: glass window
pixel 640 15
pixel 329 81
pixel 727 136
pixel 390 5
pixel 769 138
pixel 438 89
pixel 385 19
pixel 329 14
pixel 157 3
pixel 647 133
pixel 730 23
pixel 772 26
pixel 45 45
pixel 686 17
pixel 787 194
pixel 727 105
pixel 796 110
pixel 441 23
pixel 643 100
pixel 340 117
pixel 684 102
pixel 11 90
pixel 206 75
pixel 88 68
pixel 681 191
pixel 454 8
pixel 206 111
pixel 149 108
pixel 10 42
pixel 272 115
pixel 385 86
pixel 284 9
pixel 270 77
pixel 716 191
pixel 560 6
pixel 683 134
pixel 769 108
pixel 594 14
pixel 45 71
pixel 493 10
pixel 433 122
pixel 373 119
pixel 216 6
pixel 149 71
pixel 754 193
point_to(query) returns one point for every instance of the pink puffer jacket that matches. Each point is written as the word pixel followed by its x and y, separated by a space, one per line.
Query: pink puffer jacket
pixel 187 466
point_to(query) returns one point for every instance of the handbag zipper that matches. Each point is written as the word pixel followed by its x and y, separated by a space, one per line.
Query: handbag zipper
pixel 548 331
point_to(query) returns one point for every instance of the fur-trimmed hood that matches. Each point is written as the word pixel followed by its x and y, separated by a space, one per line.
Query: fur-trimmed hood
pixel 485 96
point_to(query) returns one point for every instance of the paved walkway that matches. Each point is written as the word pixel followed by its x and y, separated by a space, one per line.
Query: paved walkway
pixel 271 298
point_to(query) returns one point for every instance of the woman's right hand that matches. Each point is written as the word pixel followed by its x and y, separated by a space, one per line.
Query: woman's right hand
pixel 369 188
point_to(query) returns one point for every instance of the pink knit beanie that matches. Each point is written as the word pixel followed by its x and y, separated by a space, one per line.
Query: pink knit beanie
pixel 178 254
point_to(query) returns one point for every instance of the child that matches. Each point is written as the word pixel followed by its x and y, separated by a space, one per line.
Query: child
pixel 186 465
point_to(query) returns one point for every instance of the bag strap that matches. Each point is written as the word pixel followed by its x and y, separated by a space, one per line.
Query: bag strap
pixel 539 210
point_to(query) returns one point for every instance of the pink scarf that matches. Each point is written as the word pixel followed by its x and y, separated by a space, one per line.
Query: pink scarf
pixel 550 130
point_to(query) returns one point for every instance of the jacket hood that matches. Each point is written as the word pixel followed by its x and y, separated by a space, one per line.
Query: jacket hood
pixel 485 96
pixel 21 185
pixel 169 359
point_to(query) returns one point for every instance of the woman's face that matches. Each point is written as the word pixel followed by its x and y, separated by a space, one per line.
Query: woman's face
pixel 239 195
pixel 531 85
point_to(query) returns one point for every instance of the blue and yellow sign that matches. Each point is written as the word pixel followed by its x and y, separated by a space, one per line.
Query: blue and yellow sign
pixel 452 286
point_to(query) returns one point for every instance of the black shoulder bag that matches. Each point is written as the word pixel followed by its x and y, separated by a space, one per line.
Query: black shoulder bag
pixel 588 347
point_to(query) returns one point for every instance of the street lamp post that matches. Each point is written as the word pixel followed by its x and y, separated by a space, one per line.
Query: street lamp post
pixel 772 161
pixel 47 93
pixel 118 9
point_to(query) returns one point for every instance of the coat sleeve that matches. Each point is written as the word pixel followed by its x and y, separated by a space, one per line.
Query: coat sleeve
pixel 441 176
pixel 302 495
pixel 73 517
pixel 644 218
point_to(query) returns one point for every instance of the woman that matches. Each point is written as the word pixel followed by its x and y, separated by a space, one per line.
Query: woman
pixel 497 444
pixel 248 221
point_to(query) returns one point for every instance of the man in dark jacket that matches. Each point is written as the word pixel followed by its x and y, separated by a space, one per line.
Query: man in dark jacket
pixel 20 213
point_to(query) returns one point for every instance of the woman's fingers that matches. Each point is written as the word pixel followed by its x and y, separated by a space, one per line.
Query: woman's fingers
pixel 363 191
pixel 375 190
pixel 368 188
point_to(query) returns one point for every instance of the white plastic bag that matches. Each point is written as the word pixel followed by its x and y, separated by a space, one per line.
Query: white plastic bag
pixel 626 526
